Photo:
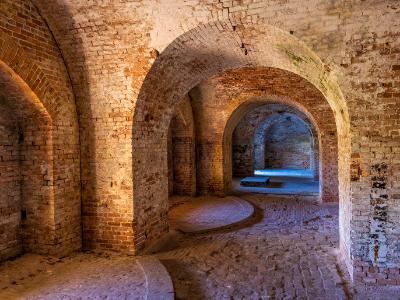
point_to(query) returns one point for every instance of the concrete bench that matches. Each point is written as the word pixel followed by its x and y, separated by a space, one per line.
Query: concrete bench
pixel 255 181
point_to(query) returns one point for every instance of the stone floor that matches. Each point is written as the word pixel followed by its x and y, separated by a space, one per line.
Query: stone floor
pixel 287 251
pixel 283 182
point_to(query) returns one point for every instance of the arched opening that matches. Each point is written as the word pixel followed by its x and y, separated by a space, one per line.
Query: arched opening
pixel 40 138
pixel 299 98
pixel 197 61
pixel 26 169
pixel 276 147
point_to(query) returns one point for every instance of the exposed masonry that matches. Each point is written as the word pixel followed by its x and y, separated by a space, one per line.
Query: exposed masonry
pixel 379 197
pixel 250 144
pixel 35 87
pixel 109 77
pixel 288 145
pixel 10 198
pixel 227 92
pixel 182 151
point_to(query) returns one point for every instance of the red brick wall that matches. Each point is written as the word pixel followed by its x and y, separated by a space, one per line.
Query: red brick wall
pixel 250 137
pixel 35 85
pixel 10 196
pixel 182 163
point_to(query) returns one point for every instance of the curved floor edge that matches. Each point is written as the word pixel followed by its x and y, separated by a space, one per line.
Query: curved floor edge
pixel 231 217
pixel 158 282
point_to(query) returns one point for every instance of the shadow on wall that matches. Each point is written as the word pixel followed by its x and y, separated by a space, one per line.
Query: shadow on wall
pixel 26 168
pixel 181 151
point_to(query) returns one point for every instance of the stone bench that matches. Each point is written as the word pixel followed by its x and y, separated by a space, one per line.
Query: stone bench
pixel 255 181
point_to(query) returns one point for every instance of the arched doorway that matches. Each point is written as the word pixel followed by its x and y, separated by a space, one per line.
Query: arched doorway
pixel 43 209
pixel 198 60
pixel 279 143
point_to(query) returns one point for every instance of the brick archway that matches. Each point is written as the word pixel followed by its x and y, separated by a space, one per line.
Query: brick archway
pixel 319 115
pixel 197 59
pixel 48 116
pixel 259 142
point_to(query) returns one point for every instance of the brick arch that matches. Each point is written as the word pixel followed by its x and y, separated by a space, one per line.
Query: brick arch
pixel 24 66
pixel 35 157
pixel 53 120
pixel 259 139
pixel 328 143
pixel 197 55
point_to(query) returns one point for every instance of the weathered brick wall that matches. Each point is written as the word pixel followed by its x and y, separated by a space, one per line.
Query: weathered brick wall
pixel 371 68
pixel 182 164
pixel 288 144
pixel 107 60
pixel 37 179
pixel 10 196
pixel 249 137
pixel 35 85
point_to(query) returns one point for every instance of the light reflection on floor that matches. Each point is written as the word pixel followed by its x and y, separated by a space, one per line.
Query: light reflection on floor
pixel 283 182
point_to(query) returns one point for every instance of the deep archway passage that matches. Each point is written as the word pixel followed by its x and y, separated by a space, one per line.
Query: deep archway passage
pixel 198 59
pixel 250 137
pixel 308 103
pixel 288 144
pixel 279 143
pixel 222 101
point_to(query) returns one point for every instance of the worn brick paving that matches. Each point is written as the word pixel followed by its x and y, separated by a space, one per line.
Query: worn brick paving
pixel 101 275
pixel 288 251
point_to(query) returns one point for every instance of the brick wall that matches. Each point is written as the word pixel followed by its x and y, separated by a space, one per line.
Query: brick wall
pixel 35 86
pixel 182 156
pixel 288 144
pixel 10 196
pixel 250 138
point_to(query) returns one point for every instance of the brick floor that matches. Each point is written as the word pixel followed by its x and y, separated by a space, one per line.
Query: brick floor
pixel 288 251
pixel 79 276
pixel 198 214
